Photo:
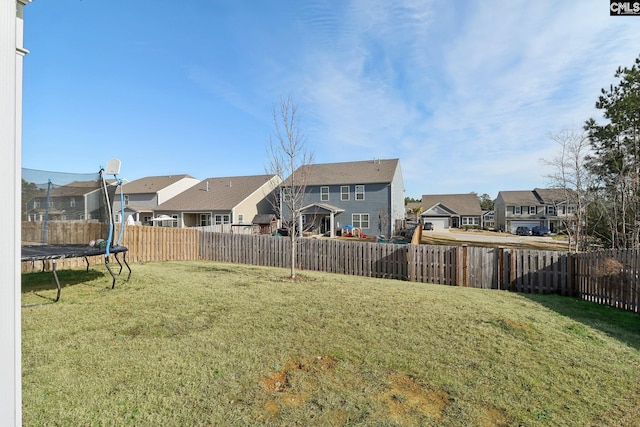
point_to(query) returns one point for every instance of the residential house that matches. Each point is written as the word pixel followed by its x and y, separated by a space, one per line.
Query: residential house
pixel 451 210
pixel 222 202
pixel 489 220
pixel 368 195
pixel 552 208
pixel 73 201
pixel 143 195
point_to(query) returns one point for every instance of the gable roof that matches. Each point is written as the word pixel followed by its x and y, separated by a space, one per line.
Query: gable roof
pixel 223 193
pixel 461 204
pixel 151 184
pixel 362 172
pixel 539 196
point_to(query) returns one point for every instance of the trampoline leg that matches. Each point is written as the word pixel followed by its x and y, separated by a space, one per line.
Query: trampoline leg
pixel 124 258
pixel 86 260
pixel 119 263
pixel 55 274
pixel 106 263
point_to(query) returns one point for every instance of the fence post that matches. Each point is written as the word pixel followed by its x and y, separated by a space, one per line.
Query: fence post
pixel 500 267
pixel 461 279
pixel 572 268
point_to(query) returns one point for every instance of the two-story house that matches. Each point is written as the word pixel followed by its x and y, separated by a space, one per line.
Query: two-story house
pixel 451 210
pixel 368 195
pixel 143 195
pixel 73 201
pixel 552 208
pixel 220 201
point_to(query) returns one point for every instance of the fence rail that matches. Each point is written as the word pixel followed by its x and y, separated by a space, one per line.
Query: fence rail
pixel 605 277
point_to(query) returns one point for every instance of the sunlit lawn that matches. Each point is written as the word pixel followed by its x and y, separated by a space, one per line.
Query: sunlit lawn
pixel 203 343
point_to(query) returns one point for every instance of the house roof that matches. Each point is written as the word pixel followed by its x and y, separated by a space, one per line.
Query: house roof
pixel 461 204
pixel 361 172
pixel 539 196
pixel 215 193
pixel 151 184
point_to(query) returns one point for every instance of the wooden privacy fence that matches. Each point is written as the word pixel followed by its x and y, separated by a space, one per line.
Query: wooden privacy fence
pixel 144 243
pixel 609 277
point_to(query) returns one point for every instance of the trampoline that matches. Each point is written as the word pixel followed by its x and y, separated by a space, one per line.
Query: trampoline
pixel 68 215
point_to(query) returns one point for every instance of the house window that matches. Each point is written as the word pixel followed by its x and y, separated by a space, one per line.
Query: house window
pixel 222 219
pixel 50 203
pixel 126 200
pixel 116 218
pixel 470 220
pixel 240 219
pixel 174 223
pixel 72 202
pixel 324 194
pixel 571 210
pixel 360 220
pixel 205 219
pixel 517 210
pixel 286 194
pixel 146 219
pixel 533 210
pixel 36 204
pixel 344 193
pixel 360 192
pixel 551 210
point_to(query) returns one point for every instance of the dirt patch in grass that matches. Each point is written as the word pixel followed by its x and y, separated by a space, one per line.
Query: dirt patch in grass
pixel 408 401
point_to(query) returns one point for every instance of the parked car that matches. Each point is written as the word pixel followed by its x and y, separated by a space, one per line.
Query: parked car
pixel 523 231
pixel 540 231
pixel 428 226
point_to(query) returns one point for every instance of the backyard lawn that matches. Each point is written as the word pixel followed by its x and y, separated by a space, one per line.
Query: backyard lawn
pixel 204 344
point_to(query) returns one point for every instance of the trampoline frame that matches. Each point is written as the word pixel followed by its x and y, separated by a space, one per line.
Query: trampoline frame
pixel 55 252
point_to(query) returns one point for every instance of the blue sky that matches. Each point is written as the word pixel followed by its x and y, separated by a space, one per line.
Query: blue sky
pixel 464 93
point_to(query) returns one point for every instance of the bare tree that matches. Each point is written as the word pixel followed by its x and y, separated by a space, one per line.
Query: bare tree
pixel 289 158
pixel 569 173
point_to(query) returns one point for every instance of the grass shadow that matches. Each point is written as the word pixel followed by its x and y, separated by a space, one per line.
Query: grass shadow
pixel 621 325
pixel 41 282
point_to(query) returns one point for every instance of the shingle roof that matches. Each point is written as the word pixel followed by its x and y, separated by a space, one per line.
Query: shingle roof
pixel 462 204
pixel 539 196
pixel 361 172
pixel 522 198
pixel 151 184
pixel 215 193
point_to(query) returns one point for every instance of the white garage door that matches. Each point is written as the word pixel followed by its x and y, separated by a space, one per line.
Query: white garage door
pixel 516 224
pixel 438 223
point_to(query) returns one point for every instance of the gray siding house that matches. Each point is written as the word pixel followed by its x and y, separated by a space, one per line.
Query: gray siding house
pixel 143 195
pixel 368 195
pixel 451 210
pixel 552 208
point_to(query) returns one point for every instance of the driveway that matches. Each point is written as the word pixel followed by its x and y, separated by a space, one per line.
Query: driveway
pixel 485 236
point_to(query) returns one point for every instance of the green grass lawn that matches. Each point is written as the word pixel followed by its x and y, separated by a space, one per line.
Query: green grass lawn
pixel 203 343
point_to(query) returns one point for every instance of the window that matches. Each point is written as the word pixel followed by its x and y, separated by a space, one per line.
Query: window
pixel 205 219
pixel 50 203
pixel 344 193
pixel 240 218
pixel 116 218
pixel 360 192
pixel 36 204
pixel 126 200
pixel 360 220
pixel 72 202
pixel 571 210
pixel 286 194
pixel 551 210
pixel 222 219
pixel 533 210
pixel 517 210
pixel 470 220
pixel 146 219
pixel 324 194
pixel 174 223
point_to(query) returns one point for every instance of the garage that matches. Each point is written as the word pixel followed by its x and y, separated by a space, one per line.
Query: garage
pixel 439 223
pixel 516 224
